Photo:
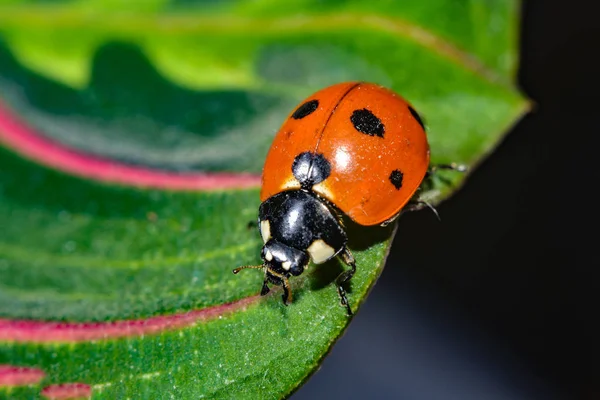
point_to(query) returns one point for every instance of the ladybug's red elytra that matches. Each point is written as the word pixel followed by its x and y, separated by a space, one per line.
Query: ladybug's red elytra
pixel 354 148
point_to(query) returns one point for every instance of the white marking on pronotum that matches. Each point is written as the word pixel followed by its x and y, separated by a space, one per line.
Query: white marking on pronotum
pixel 268 255
pixel 287 265
pixel 323 190
pixel 320 251
pixel 291 184
pixel 265 230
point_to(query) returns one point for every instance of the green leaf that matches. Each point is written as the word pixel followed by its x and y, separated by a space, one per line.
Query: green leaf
pixel 133 137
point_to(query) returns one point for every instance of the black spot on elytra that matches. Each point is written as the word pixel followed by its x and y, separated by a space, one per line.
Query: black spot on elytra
pixel 310 168
pixel 416 116
pixel 366 122
pixel 396 178
pixel 306 109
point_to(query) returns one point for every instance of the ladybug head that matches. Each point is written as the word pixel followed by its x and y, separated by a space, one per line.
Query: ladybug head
pixel 283 260
pixel 279 263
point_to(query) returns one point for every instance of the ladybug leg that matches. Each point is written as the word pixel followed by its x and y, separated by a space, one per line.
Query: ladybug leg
pixel 280 280
pixel 451 166
pixel 419 201
pixel 434 168
pixel 265 287
pixel 417 205
pixel 287 292
pixel 345 277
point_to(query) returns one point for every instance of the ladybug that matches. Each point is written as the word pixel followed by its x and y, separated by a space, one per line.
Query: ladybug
pixel 353 148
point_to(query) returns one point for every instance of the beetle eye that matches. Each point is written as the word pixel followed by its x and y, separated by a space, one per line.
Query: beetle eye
pixel 297 269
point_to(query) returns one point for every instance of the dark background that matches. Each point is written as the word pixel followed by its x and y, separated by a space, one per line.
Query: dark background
pixel 497 301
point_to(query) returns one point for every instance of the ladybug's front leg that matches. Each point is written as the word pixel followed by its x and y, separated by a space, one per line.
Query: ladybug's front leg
pixel 287 292
pixel 280 280
pixel 345 277
pixel 265 287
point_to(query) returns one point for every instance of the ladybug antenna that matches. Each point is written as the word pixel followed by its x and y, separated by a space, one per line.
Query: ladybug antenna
pixel 238 269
